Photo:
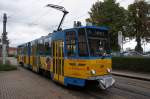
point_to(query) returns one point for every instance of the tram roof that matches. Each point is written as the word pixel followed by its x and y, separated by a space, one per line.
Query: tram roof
pixel 96 27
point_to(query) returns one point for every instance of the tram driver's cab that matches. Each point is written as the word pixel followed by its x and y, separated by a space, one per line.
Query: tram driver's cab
pixel 87 53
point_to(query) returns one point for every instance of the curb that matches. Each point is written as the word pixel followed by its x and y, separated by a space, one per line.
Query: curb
pixel 131 76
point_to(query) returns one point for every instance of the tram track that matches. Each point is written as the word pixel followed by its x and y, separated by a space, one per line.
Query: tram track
pixel 123 90
pixel 105 95
pixel 132 90
pixel 117 93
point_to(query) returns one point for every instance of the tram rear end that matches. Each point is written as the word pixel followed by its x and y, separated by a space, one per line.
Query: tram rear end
pixel 89 59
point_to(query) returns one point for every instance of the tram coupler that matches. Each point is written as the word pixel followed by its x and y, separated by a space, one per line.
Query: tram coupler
pixel 106 82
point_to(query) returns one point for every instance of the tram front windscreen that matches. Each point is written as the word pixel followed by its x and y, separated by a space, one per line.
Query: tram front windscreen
pixel 93 42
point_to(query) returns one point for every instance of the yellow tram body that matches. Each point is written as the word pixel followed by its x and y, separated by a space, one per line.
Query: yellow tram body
pixel 81 68
pixel 66 61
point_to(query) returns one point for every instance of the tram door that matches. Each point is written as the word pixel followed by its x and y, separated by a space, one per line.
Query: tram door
pixel 58 60
pixel 29 53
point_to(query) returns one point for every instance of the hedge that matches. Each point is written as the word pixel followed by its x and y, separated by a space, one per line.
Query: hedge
pixel 7 66
pixel 140 64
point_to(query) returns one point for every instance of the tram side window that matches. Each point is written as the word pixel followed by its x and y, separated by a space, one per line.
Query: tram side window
pixel 47 48
pixel 21 51
pixel 24 50
pixel 71 43
pixel 33 49
pixel 82 43
pixel 41 47
pixel 28 48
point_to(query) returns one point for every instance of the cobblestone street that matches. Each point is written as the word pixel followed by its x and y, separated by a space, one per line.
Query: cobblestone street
pixel 24 84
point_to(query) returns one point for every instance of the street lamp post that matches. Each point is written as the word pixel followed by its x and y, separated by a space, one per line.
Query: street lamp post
pixel 120 40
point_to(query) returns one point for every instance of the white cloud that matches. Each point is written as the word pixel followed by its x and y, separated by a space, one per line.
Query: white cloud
pixel 24 34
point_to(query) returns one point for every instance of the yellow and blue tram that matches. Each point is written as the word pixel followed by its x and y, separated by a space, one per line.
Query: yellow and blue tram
pixel 73 56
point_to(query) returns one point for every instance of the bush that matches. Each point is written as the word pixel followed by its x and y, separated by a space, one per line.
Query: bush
pixel 7 67
pixel 140 64
pixel 12 55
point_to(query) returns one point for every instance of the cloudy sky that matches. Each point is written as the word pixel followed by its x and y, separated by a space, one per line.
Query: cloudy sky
pixel 30 19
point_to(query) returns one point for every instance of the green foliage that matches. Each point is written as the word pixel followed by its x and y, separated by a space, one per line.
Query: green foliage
pixel 140 64
pixel 12 55
pixel 109 13
pixel 7 67
pixel 137 19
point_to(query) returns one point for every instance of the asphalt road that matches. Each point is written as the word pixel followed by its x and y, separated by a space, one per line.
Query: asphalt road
pixel 124 88
pixel 25 84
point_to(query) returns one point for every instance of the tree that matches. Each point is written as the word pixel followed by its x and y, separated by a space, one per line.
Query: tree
pixel 137 18
pixel 109 13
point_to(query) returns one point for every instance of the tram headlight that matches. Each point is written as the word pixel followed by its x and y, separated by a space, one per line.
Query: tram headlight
pixel 104 54
pixel 93 72
pixel 108 70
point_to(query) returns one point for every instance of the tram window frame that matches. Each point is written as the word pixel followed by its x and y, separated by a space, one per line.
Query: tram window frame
pixel 29 49
pixel 40 47
pixel 21 50
pixel 47 46
pixel 26 49
pixel 82 43
pixel 71 43
pixel 96 33
pixel 98 36
pixel 33 48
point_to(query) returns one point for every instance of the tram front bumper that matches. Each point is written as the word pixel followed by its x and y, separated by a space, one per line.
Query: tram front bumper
pixel 104 81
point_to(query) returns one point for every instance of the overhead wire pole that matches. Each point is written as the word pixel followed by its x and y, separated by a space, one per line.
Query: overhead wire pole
pixel 60 8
